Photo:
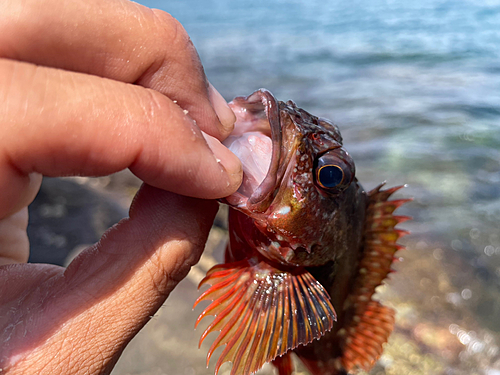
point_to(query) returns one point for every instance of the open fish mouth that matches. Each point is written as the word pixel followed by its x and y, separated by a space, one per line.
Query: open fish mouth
pixel 257 141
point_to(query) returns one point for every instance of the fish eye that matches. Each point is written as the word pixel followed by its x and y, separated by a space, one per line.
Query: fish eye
pixel 334 170
pixel 330 175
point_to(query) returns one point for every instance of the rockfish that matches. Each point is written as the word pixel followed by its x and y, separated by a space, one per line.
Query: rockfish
pixel 308 246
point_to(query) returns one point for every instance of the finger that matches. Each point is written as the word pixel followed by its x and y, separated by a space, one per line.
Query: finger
pixel 14 244
pixel 108 292
pixel 60 123
pixel 116 39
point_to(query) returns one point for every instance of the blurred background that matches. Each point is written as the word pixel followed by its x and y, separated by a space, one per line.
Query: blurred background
pixel 415 89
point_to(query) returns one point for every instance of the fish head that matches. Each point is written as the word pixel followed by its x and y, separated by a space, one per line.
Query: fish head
pixel 299 198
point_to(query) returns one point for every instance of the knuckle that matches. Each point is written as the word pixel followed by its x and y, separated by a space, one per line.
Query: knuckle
pixel 171 264
pixel 172 29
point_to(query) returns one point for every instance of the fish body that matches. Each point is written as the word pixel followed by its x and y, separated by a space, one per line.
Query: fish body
pixel 308 246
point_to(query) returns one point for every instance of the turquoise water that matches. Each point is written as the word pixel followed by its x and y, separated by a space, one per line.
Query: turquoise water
pixel 415 89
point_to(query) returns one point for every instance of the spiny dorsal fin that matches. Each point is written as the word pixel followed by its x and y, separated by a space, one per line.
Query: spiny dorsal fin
pixel 372 323
pixel 262 312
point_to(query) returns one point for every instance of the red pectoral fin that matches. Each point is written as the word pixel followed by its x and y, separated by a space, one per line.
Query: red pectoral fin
pixel 262 312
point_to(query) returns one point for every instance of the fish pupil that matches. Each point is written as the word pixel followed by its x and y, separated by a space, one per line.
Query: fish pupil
pixel 330 176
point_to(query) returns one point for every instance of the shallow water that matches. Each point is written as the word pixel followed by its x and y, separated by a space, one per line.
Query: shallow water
pixel 415 89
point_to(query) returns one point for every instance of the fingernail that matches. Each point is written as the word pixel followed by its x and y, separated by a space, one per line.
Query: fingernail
pixel 224 113
pixel 229 161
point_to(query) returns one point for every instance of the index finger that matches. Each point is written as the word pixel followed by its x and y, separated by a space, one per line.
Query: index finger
pixel 116 39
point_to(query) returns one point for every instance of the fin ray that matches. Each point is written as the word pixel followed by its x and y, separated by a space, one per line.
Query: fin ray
pixel 262 312
pixel 362 348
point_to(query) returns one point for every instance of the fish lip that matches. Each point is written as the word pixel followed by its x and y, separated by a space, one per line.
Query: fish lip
pixel 262 197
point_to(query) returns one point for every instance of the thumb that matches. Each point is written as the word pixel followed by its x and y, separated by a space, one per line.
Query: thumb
pixel 107 294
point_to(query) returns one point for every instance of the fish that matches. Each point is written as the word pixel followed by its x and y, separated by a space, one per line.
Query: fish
pixel 307 249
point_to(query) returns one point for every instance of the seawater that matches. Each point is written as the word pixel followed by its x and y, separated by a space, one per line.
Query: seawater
pixel 415 89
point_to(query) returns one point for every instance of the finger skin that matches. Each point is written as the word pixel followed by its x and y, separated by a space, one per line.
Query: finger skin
pixel 60 123
pixel 84 316
pixel 116 39
pixel 14 242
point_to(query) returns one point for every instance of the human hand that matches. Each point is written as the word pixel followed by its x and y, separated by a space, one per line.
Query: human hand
pixel 90 88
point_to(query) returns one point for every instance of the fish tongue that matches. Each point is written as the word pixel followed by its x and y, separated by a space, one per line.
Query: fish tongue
pixel 262 312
